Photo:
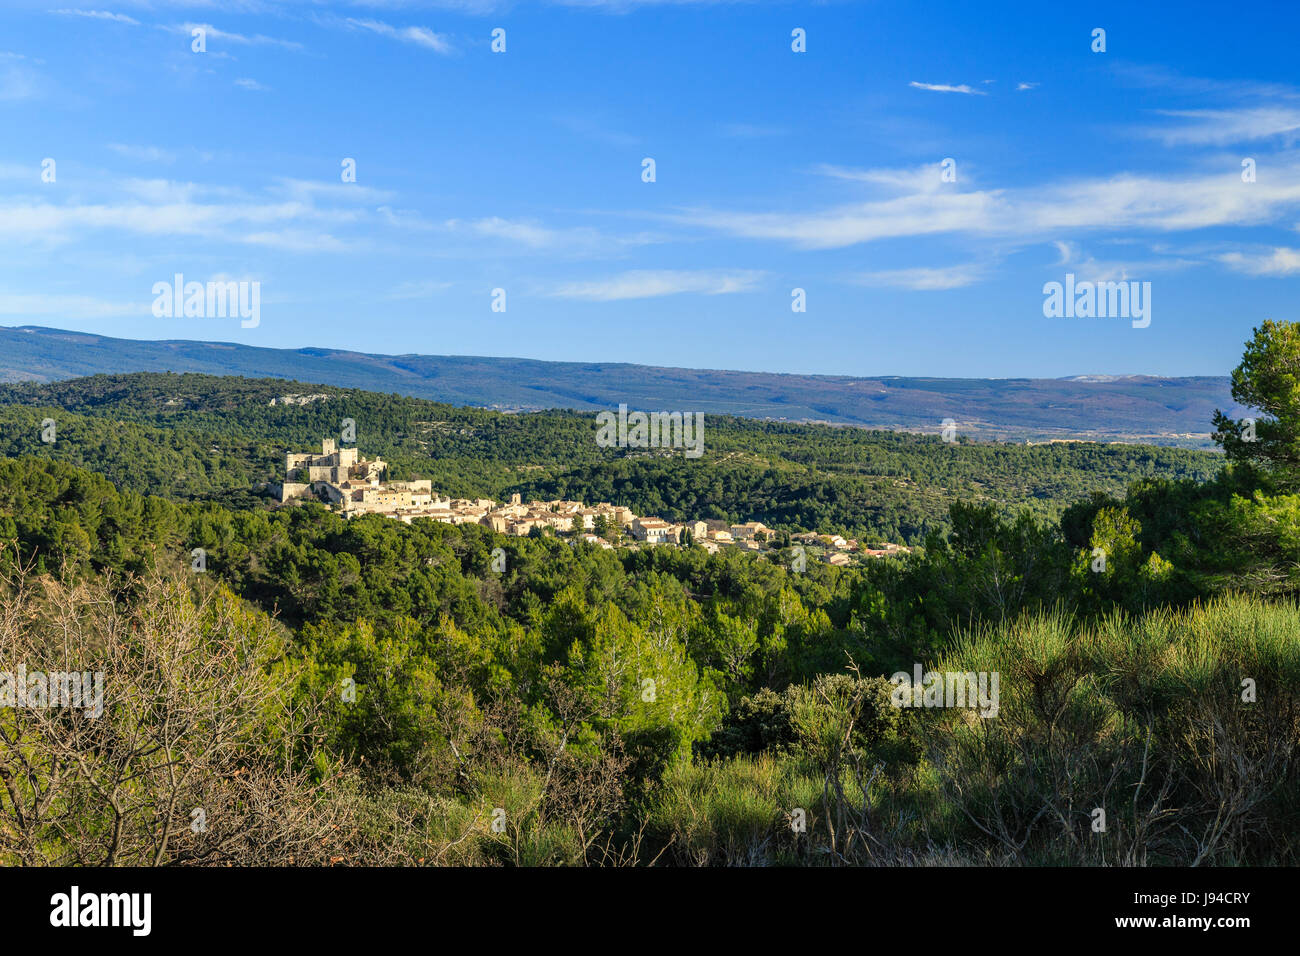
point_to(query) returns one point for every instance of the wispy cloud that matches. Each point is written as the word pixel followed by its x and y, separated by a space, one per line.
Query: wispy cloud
pixel 215 33
pixel 1226 126
pixel 946 88
pixel 1202 88
pixel 420 36
pixel 282 217
pixel 99 15
pixel 1090 268
pixel 67 306
pixel 537 236
pixel 298 240
pixel 926 178
pixel 650 284
pixel 244 83
pixel 528 233
pixel 1025 86
pixel 1279 261
pixel 1124 202
pixel 925 278
pixel 309 190
pixel 149 154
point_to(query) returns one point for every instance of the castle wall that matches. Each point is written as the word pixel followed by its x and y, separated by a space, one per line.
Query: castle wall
pixel 289 489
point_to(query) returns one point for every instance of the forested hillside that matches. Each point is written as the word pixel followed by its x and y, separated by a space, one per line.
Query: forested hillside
pixel 196 436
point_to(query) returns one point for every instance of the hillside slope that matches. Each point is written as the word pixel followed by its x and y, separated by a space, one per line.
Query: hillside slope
pixel 1172 411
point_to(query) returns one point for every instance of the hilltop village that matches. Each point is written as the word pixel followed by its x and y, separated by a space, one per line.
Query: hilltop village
pixel 354 485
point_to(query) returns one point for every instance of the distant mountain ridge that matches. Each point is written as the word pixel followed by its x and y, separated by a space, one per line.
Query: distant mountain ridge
pixel 1175 411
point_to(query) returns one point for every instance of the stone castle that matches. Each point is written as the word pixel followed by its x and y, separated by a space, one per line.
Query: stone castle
pixel 352 483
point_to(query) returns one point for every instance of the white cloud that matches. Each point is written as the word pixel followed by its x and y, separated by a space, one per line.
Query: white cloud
pixel 26 221
pixel 244 83
pixel 290 215
pixel 1280 261
pixel 1092 269
pixel 159 191
pixel 946 88
pixel 160 207
pixel 1223 127
pixel 215 33
pixel 536 236
pixel 649 284
pixel 67 306
pixel 530 234
pixel 1068 251
pixel 420 36
pixel 913 215
pixel 299 240
pixel 308 190
pixel 1025 86
pixel 149 154
pixel 927 178
pixel 402 218
pixel 1124 202
pixel 99 15
pixel 925 278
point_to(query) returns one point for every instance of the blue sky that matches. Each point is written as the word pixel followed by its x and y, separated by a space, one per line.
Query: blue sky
pixel 775 170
